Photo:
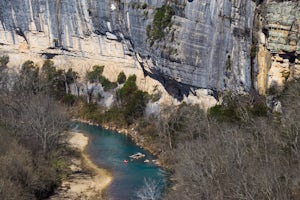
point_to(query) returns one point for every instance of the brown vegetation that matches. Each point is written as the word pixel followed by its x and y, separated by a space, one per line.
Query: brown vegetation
pixel 251 156
pixel 33 150
pixel 238 150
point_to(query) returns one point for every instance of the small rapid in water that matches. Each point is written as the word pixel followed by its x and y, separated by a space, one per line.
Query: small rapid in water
pixel 109 149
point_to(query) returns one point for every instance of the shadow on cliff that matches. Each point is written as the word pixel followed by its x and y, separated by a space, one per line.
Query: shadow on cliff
pixel 176 89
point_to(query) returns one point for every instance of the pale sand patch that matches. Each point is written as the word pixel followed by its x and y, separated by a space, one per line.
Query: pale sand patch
pixel 82 185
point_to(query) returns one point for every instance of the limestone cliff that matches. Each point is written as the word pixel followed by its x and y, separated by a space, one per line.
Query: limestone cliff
pixel 279 44
pixel 203 37
pixel 207 45
pixel 183 44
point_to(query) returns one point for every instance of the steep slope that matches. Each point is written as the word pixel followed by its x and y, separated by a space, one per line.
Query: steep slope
pixel 185 45
pixel 57 28
pixel 204 35
pixel 278 59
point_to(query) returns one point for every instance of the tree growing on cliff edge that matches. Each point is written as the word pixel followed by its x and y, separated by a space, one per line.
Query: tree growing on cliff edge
pixel 56 81
pixel 121 78
pixel 94 75
pixel 132 101
pixel 28 79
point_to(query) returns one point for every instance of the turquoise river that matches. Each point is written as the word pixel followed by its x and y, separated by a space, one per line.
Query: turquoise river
pixel 109 149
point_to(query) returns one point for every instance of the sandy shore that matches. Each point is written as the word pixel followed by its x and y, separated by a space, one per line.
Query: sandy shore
pixel 87 180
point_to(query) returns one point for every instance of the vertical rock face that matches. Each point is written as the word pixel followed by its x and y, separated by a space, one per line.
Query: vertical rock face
pixel 63 28
pixel 279 36
pixel 207 43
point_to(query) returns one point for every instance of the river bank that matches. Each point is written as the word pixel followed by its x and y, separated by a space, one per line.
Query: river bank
pixel 87 180
pixel 109 149
pixel 138 139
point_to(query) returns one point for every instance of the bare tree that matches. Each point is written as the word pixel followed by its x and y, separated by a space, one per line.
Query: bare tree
pixel 249 157
pixel 182 123
pixel 151 190
pixel 32 137
pixel 36 116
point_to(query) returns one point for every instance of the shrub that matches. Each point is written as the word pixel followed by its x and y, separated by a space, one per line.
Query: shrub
pixel 48 70
pixel 133 101
pixel 215 110
pixel 162 19
pixel 121 78
pixel 128 88
pixel 71 76
pixel 3 61
pixel 144 6
pixel 87 110
pixel 106 84
pixel 131 105
pixel 135 107
pixel 92 112
pixel 114 115
pixel 53 80
pixel 28 79
pixel 69 99
pixel 240 108
pixel 94 76
pixel 61 167
pixel 223 113
pixel 155 96
pixel 259 109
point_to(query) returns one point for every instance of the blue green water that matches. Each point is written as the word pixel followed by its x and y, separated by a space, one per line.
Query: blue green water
pixel 109 149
